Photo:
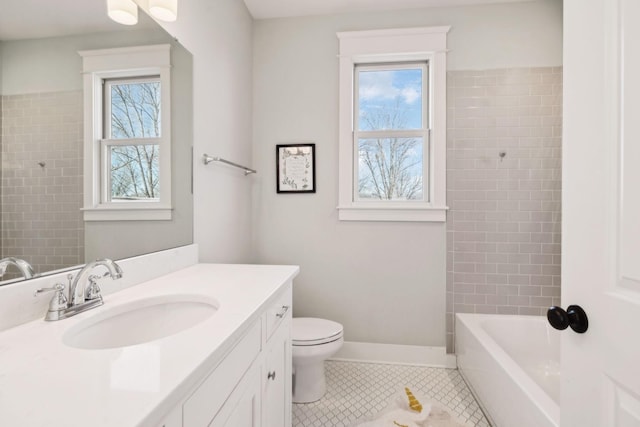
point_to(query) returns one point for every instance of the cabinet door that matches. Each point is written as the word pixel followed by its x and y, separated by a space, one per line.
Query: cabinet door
pixel 208 399
pixel 242 408
pixel 277 378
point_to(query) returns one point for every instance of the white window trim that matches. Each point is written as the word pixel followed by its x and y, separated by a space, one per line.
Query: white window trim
pixel 98 65
pixel 396 45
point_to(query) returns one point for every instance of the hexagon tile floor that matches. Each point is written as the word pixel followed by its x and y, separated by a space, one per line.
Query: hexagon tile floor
pixel 355 390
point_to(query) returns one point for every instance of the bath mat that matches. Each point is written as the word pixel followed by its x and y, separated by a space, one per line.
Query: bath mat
pixel 406 410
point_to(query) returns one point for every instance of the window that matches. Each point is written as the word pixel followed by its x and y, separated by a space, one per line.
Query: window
pixel 392 125
pixel 390 132
pixel 131 142
pixel 127 134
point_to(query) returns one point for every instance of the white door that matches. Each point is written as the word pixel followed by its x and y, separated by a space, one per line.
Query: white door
pixel 601 212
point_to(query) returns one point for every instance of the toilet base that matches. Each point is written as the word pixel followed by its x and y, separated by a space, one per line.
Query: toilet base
pixel 309 384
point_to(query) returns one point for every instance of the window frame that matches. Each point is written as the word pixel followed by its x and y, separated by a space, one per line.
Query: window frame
pixel 123 64
pixel 422 132
pixel 426 44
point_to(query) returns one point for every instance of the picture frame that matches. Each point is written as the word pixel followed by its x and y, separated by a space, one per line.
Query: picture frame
pixel 296 168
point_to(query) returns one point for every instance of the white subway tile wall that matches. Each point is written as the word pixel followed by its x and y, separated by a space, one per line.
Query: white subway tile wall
pixel 41 179
pixel 504 158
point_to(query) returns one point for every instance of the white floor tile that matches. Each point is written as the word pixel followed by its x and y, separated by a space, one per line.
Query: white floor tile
pixel 358 389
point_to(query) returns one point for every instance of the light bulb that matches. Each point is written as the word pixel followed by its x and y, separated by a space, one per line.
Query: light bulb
pixel 123 11
pixel 164 10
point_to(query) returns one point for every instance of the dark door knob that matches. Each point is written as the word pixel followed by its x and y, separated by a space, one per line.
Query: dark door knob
pixel 574 317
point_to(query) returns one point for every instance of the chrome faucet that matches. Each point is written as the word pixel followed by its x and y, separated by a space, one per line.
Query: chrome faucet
pixel 78 294
pixel 81 297
pixel 25 268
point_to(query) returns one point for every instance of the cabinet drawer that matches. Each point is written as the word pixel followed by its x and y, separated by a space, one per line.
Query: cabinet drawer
pixel 278 311
pixel 207 400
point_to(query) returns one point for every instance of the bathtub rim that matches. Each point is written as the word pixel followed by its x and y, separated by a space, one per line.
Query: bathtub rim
pixel 535 394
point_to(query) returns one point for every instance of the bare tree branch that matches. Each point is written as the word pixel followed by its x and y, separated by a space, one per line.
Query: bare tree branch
pixel 390 168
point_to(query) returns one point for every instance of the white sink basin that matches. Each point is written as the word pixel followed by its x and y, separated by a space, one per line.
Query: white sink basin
pixel 140 321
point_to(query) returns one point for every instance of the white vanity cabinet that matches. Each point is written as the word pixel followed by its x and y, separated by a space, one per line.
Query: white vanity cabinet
pixel 232 368
pixel 251 386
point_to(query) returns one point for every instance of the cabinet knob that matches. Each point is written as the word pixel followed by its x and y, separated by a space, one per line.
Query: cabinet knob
pixel 271 375
pixel 284 310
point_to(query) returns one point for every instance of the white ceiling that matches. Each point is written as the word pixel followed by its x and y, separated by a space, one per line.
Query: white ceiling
pixel 263 9
pixel 31 19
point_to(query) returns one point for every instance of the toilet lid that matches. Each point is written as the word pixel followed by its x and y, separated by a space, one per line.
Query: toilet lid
pixel 312 331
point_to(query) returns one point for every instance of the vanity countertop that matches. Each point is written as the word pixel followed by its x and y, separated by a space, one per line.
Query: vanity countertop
pixel 44 382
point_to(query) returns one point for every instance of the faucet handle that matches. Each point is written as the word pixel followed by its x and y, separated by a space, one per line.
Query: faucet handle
pixel 58 287
pixel 59 300
pixel 93 290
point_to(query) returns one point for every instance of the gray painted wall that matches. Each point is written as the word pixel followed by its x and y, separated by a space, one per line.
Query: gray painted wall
pixel 385 282
pixel 53 64
pixel 219 35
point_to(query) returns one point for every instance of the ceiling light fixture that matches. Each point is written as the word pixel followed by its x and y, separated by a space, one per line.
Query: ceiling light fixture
pixel 123 11
pixel 164 10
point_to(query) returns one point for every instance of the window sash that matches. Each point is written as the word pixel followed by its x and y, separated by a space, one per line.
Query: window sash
pixel 426 166
pixel 107 100
pixel 106 172
pixel 392 66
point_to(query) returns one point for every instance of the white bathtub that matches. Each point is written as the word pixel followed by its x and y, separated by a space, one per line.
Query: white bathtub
pixel 512 363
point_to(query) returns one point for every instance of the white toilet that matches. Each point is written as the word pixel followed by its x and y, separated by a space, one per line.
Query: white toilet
pixel 314 341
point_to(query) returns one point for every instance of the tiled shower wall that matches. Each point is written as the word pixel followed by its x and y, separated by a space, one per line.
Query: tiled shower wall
pixel 504 191
pixel 41 191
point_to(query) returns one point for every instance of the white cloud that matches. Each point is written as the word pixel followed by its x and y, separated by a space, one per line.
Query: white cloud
pixel 379 84
pixel 410 94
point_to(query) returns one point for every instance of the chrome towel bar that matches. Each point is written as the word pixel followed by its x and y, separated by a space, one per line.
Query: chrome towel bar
pixel 206 159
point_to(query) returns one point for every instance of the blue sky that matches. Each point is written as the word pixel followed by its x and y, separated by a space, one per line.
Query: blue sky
pixel 398 91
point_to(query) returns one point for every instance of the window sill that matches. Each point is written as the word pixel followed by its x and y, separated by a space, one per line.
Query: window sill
pixel 128 213
pixel 392 213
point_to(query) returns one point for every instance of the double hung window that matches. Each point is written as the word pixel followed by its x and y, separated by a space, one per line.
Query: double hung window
pixel 131 143
pixel 391 132
pixel 127 159
pixel 392 125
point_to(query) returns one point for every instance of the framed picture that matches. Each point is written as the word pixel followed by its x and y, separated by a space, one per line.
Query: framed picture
pixel 296 168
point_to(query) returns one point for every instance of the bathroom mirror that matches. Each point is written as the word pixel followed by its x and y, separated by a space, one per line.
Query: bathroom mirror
pixel 41 142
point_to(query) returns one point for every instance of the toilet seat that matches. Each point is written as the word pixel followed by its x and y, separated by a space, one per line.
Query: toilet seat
pixel 309 331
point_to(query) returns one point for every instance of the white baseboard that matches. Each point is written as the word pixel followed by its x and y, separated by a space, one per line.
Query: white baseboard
pixel 396 354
